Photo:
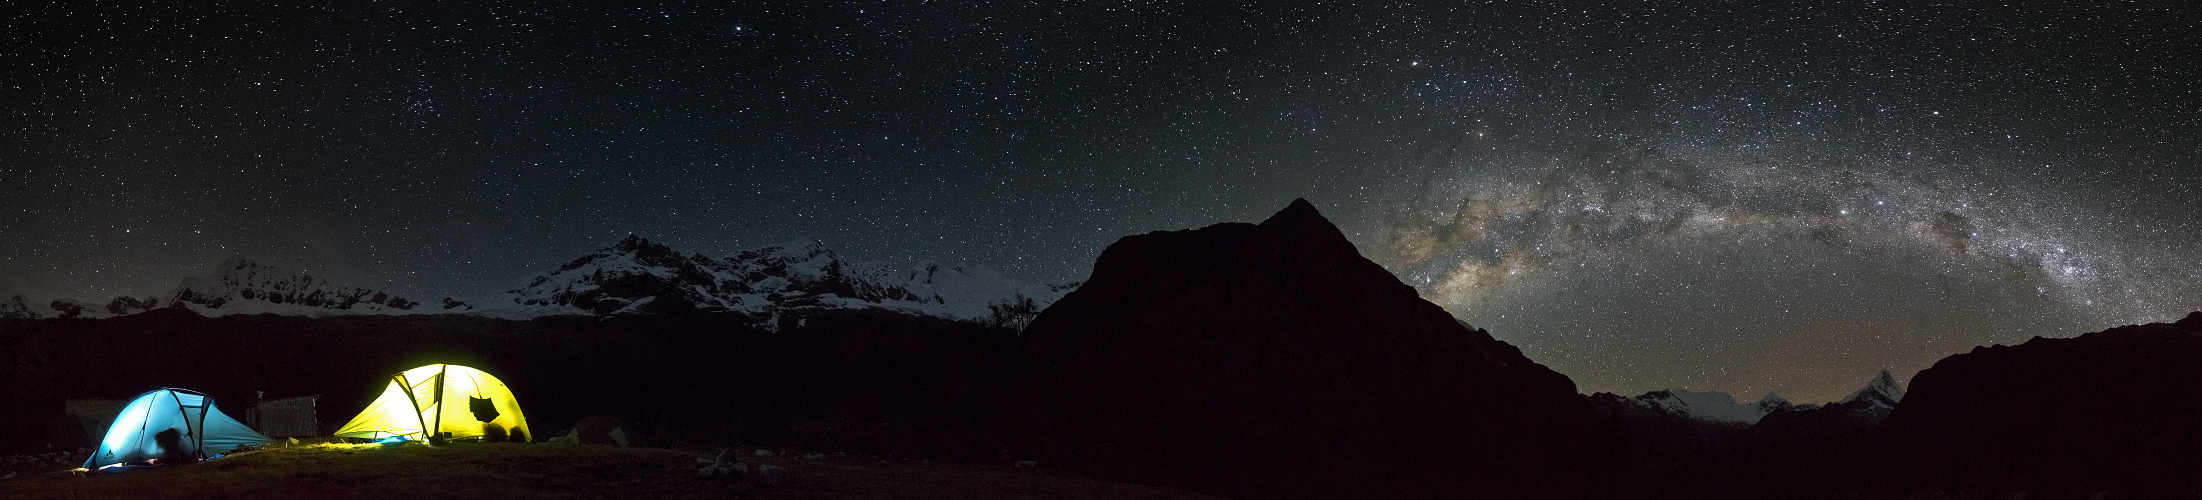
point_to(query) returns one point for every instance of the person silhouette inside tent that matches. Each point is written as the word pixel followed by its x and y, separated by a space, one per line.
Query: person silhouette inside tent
pixel 173 449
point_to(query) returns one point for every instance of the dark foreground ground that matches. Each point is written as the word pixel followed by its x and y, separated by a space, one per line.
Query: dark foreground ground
pixel 339 471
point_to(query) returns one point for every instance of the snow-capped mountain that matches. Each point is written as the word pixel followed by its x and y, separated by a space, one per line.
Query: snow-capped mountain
pixel 1862 410
pixel 1868 404
pixel 633 276
pixel 241 286
pixel 235 286
pixel 21 307
pixel 636 275
pixel 1709 406
pixel 1882 391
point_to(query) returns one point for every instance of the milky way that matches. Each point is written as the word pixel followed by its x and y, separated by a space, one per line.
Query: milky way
pixel 1768 270
pixel 1739 196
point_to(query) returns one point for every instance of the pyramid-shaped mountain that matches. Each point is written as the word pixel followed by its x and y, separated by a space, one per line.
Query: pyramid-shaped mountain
pixel 1882 391
pixel 1272 360
pixel 1859 412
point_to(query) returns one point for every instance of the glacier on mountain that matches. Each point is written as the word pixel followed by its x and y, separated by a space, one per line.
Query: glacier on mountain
pixel 19 306
pixel 242 286
pixel 1882 391
pixel 638 276
pixel 778 285
pixel 1710 406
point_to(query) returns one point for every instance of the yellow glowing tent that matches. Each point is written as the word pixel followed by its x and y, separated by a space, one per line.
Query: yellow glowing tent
pixel 457 401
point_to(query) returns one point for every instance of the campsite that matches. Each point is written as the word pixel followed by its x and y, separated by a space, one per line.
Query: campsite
pixel 891 385
pixel 865 385
pixel 873 426
pixel 1183 366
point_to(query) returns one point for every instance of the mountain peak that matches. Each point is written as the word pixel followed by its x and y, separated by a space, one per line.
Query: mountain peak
pixel 640 246
pixel 241 285
pixel 1709 406
pixel 1299 215
pixel 637 276
pixel 1274 303
pixel 1299 209
pixel 1301 220
pixel 19 307
pixel 1883 389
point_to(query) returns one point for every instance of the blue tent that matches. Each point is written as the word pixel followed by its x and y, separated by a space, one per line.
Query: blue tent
pixel 204 429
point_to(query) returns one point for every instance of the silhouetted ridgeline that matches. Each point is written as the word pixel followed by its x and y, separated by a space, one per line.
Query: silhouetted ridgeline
pixel 2118 410
pixel 2115 414
pixel 1257 361
pixel 1274 361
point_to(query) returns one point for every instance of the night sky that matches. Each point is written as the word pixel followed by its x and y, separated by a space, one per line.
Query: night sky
pixel 1738 196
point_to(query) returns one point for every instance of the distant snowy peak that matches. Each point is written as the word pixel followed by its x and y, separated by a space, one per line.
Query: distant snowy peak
pixel 639 276
pixel 1871 402
pixel 21 307
pixel 241 286
pixel 1882 391
pixel 1711 406
pixel 1772 401
pixel 631 276
pixel 1862 410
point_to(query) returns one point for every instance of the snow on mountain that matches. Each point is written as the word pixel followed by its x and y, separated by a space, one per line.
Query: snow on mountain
pixel 638 276
pixel 1871 402
pixel 1862 410
pixel 632 276
pixel 22 307
pixel 241 286
pixel 1882 391
pixel 1772 402
pixel 1711 406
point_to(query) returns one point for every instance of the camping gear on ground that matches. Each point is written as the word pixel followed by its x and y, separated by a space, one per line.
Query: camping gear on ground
pixel 199 429
pixel 439 403
pixel 728 463
pixel 602 429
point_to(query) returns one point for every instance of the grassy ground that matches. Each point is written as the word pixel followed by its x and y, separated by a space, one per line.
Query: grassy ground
pixel 340 471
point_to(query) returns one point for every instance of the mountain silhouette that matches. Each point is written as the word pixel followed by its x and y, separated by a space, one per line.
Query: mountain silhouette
pixel 1272 360
pixel 2114 411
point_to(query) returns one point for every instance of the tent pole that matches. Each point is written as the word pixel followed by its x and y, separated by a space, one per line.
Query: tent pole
pixel 186 419
pixel 441 374
pixel 399 379
pixel 198 436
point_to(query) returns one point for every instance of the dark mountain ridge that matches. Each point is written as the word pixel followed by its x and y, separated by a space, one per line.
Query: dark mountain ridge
pixel 1272 360
pixel 2116 411
pixel 1252 360
pixel 2114 414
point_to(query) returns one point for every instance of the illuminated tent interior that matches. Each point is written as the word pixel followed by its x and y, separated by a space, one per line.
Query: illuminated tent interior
pixel 202 427
pixel 457 402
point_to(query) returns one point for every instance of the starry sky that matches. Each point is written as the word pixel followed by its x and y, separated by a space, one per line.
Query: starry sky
pixel 1738 196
